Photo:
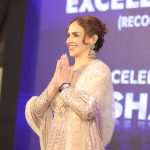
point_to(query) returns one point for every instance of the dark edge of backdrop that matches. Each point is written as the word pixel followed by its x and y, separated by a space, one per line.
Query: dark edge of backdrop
pixel 14 33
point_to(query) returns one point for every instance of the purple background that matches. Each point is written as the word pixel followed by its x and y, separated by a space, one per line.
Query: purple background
pixel 126 49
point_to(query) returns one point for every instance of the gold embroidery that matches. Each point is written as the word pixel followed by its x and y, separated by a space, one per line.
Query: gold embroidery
pixel 73 124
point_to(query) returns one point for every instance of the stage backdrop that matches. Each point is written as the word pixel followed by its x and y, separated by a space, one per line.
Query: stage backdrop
pixel 126 51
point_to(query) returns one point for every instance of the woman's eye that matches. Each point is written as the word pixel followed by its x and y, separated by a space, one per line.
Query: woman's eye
pixel 76 35
pixel 73 35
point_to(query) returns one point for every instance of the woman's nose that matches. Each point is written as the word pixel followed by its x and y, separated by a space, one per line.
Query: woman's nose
pixel 69 39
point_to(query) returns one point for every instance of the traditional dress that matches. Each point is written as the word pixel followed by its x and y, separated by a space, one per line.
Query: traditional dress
pixel 81 117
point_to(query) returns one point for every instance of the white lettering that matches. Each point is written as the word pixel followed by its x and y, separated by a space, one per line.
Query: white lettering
pixel 145 20
pixel 117 4
pixel 137 21
pixel 124 22
pixel 125 77
pixel 71 6
pixel 118 107
pixel 140 106
pixel 145 3
pixel 116 76
pixel 148 77
pixel 131 21
pixel 130 76
pixel 87 5
pixel 74 6
pixel 132 4
pixel 132 80
pixel 142 76
pixel 101 6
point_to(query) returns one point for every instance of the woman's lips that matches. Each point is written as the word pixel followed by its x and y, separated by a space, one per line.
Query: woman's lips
pixel 72 47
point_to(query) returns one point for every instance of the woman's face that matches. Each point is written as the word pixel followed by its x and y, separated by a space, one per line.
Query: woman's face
pixel 74 41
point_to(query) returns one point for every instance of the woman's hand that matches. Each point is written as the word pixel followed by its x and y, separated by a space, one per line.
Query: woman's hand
pixel 63 73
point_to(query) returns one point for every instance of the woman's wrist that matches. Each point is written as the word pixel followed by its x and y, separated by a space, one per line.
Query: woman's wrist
pixel 51 92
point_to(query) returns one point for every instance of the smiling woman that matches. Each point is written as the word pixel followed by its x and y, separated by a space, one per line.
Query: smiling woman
pixel 76 110
pixel 75 35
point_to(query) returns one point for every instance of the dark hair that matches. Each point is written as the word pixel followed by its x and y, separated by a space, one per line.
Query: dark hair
pixel 91 26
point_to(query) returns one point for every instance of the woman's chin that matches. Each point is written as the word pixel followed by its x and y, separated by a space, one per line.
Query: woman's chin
pixel 72 54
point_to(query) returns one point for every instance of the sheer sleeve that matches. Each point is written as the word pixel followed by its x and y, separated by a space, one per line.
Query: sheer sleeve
pixel 91 98
pixel 36 109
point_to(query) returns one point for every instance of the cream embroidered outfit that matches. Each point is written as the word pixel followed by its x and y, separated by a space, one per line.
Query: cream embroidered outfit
pixel 81 117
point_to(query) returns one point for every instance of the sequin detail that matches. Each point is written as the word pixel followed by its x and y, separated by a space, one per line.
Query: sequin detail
pixel 74 123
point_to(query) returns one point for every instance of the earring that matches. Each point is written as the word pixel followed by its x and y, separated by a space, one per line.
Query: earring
pixel 92 53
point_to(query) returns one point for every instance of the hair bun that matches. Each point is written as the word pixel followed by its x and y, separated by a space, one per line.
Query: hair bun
pixel 105 30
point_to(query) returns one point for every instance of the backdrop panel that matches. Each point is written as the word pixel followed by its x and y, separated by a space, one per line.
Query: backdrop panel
pixel 126 51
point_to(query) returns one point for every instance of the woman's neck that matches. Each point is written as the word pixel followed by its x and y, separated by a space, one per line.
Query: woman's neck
pixel 79 63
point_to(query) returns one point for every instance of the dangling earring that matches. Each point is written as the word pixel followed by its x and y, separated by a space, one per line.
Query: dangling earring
pixel 92 53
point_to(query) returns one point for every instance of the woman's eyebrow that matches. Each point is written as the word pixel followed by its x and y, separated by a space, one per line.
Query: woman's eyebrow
pixel 73 32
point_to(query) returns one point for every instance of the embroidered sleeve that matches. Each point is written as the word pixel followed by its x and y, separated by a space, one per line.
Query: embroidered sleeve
pixel 92 97
pixel 36 107
pixel 79 101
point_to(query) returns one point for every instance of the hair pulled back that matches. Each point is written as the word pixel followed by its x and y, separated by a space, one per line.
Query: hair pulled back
pixel 92 25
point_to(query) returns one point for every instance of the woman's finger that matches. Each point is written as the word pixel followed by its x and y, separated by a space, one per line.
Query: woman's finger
pixel 66 60
pixel 59 66
pixel 56 67
pixel 62 61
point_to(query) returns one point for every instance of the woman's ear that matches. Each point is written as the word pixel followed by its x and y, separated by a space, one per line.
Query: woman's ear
pixel 94 39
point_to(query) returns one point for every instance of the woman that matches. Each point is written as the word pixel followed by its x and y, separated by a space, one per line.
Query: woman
pixel 75 111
